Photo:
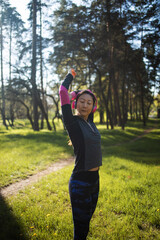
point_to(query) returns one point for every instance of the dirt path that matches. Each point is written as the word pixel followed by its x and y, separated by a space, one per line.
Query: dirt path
pixel 136 138
pixel 14 188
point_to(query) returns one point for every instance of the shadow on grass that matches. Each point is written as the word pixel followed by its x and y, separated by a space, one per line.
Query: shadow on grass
pixel 39 140
pixel 145 150
pixel 10 227
pixel 48 137
pixel 152 122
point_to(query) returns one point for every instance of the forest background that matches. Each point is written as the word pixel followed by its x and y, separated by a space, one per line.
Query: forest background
pixel 114 47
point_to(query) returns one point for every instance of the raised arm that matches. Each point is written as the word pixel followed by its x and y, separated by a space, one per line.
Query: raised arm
pixel 65 99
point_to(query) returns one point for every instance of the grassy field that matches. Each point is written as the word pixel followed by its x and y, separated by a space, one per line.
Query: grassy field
pixel 24 152
pixel 129 202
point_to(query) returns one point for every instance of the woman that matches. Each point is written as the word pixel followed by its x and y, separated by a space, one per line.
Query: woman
pixel 86 141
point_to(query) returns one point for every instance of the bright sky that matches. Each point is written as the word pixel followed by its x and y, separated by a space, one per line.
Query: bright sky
pixel 21 6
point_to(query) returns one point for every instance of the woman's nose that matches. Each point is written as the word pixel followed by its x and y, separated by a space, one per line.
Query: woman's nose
pixel 85 104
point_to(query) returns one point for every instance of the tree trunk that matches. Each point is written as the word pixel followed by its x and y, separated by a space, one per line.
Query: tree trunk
pixel 41 67
pixel 136 109
pixel 41 106
pixel 101 111
pixel 127 106
pixel 110 113
pixel 33 74
pixel 116 94
pixel 57 114
pixel 11 113
pixel 101 116
pixel 10 50
pixel 142 97
pixel 142 104
pixel 130 106
pixel 10 71
pixel 2 80
pixel 28 112
pixel 111 62
pixel 124 104
pixel 105 99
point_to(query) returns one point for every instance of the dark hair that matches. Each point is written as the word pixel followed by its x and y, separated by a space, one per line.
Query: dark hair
pixel 87 92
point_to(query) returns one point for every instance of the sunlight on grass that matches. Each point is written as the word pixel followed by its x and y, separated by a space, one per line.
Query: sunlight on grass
pixel 24 152
pixel 128 206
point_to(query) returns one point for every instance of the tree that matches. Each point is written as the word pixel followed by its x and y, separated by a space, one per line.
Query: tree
pixel 33 73
pixel 96 38
pixel 2 22
pixel 94 47
pixel 15 30
pixel 144 21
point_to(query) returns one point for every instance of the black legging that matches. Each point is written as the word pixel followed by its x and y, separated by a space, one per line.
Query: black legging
pixel 84 191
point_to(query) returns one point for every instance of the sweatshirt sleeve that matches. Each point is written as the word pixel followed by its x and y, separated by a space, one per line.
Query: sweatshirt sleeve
pixel 65 101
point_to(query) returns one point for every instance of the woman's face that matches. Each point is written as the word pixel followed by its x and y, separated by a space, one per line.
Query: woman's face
pixel 84 105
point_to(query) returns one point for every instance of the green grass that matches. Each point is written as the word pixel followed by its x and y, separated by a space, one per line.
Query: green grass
pixel 128 206
pixel 24 152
